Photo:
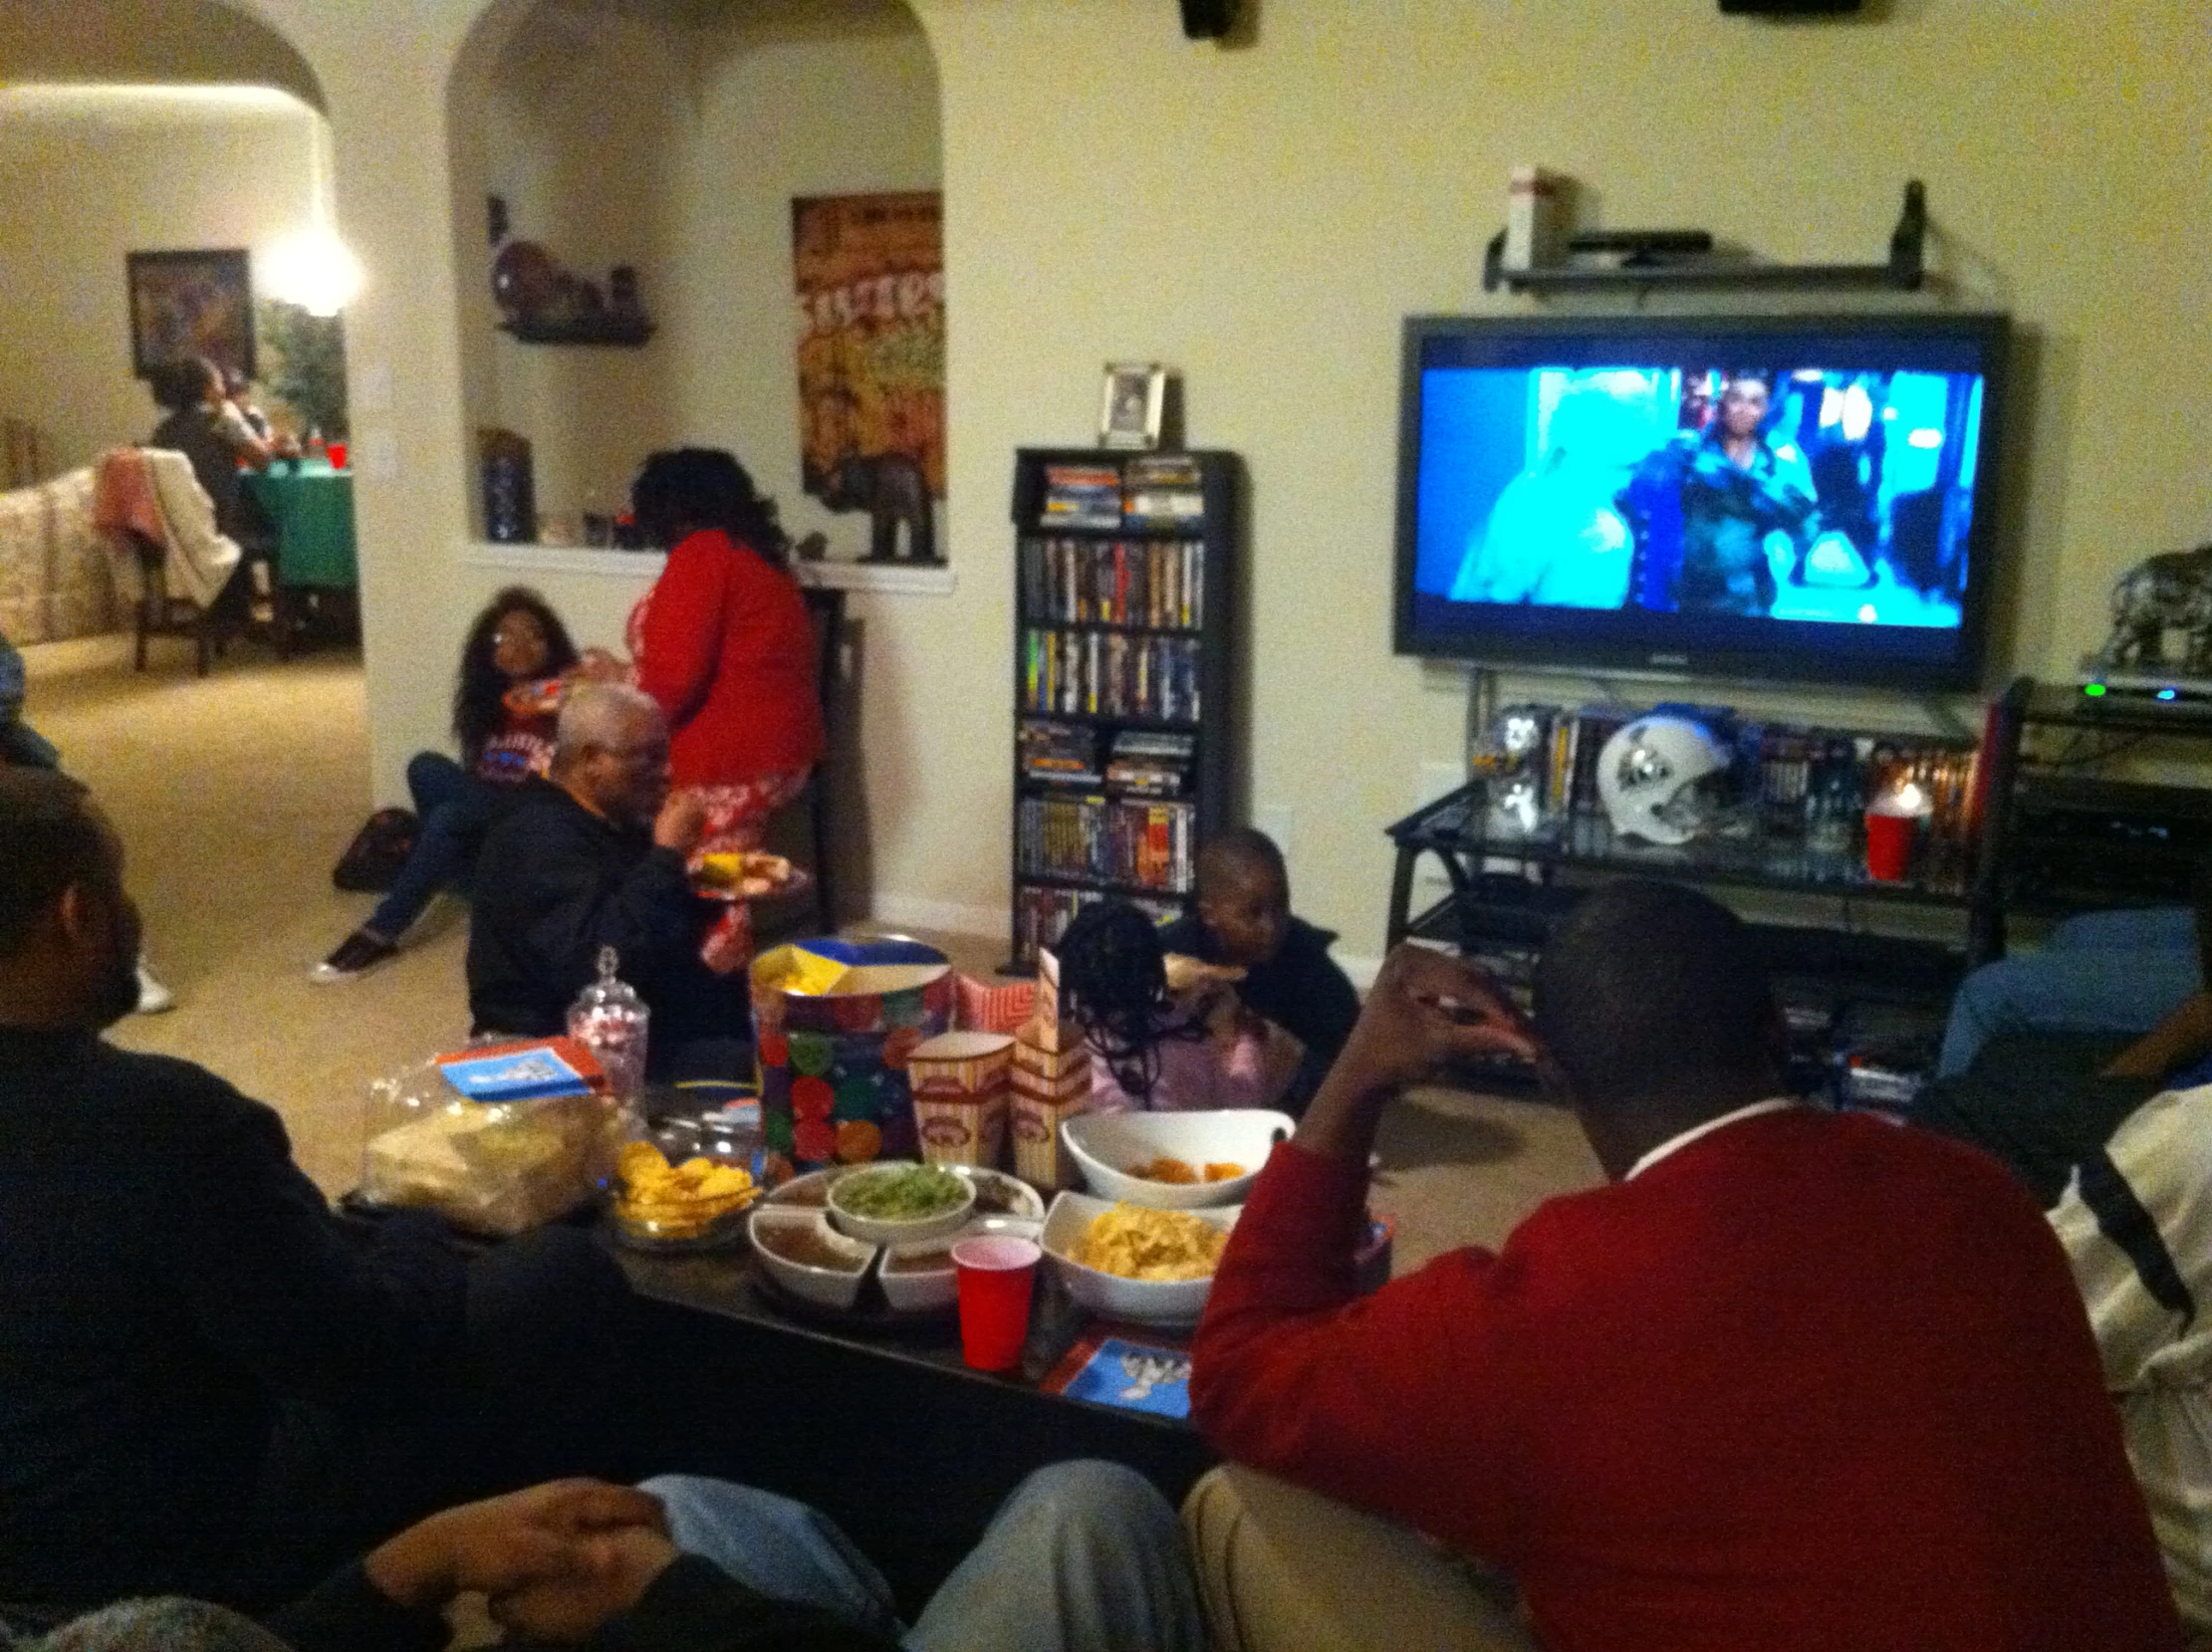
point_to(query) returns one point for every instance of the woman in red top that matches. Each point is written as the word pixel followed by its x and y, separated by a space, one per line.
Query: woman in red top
pixel 723 643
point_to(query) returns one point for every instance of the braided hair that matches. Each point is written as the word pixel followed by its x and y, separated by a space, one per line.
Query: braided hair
pixel 1114 980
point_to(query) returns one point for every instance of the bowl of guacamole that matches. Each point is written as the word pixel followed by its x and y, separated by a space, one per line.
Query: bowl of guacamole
pixel 895 1203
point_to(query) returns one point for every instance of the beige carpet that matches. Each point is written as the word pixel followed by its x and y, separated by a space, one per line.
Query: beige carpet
pixel 236 793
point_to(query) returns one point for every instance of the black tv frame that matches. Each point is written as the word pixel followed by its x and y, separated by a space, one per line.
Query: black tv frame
pixel 1570 639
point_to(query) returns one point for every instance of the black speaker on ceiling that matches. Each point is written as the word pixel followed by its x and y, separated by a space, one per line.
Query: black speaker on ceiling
pixel 1789 8
pixel 1208 19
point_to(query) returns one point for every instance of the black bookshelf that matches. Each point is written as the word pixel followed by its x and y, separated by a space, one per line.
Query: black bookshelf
pixel 1123 604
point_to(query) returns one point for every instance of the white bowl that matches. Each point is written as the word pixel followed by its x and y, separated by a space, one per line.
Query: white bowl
pixel 1148 1302
pixel 931 1287
pixel 998 1194
pixel 881 1230
pixel 830 1286
pixel 1103 1145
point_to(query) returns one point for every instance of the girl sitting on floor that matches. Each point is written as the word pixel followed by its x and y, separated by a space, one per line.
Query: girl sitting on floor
pixel 505 731
pixel 1164 1041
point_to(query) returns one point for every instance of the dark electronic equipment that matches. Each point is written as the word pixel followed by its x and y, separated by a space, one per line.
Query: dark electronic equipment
pixel 1758 497
pixel 1788 8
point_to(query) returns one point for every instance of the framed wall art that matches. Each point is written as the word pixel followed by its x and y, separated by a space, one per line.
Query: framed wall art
pixel 191 303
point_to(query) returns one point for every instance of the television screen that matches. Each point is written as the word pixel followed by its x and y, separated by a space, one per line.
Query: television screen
pixel 1759 496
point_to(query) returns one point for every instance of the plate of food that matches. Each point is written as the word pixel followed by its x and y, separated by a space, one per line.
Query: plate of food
pixel 540 697
pixel 745 874
pixel 1176 1161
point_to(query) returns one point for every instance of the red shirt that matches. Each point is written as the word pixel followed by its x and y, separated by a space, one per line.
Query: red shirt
pixel 723 643
pixel 1810 1382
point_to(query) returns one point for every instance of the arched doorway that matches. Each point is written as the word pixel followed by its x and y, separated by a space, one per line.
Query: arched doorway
pixel 673 138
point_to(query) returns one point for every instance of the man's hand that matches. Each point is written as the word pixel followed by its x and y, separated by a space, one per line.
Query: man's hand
pixel 682 823
pixel 1426 1008
pixel 504 1543
pixel 570 1608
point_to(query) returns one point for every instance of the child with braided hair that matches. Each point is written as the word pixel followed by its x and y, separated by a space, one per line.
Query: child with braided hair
pixel 1164 1039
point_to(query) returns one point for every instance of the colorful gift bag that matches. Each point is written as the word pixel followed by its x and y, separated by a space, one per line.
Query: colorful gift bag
pixel 835 1022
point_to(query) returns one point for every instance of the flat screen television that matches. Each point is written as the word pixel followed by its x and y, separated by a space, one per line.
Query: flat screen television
pixel 1756 497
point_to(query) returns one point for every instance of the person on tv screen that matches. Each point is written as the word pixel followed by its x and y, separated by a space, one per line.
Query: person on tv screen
pixel 1734 489
pixel 1556 538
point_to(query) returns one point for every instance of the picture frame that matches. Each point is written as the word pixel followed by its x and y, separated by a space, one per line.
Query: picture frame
pixel 191 303
pixel 1132 404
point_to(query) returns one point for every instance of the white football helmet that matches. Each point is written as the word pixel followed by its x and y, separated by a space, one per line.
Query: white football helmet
pixel 1648 779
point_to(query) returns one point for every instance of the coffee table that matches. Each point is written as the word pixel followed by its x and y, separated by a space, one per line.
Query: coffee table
pixel 885 1428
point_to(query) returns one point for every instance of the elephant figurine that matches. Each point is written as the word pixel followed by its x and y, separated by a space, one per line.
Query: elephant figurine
pixel 891 488
pixel 2171 592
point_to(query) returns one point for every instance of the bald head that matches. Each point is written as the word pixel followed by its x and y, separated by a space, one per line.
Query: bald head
pixel 610 752
pixel 1655 1012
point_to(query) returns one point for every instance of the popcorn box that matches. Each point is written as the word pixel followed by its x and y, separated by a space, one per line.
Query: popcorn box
pixel 961 1126
pixel 1041 1158
pixel 1048 1063
pixel 1048 997
pixel 1073 1083
pixel 959 1063
pixel 980 1007
pixel 1061 1037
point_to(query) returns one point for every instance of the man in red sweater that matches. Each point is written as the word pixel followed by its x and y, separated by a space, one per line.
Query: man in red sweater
pixel 1792 1381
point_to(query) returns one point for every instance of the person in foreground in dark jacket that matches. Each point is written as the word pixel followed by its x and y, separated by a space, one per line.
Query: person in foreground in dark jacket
pixel 1085 1556
pixel 205 1386
pixel 1244 920
pixel 595 856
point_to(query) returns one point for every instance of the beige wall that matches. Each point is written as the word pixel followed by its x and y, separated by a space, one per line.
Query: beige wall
pixel 1261 217
pixel 92 177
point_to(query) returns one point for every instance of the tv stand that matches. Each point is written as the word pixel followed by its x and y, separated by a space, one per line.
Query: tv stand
pixel 1649 262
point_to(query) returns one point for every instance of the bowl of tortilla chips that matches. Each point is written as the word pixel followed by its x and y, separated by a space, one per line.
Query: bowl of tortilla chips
pixel 1136 1262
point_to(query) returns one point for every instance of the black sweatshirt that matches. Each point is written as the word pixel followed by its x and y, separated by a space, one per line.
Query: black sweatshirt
pixel 555 884
pixel 168 1278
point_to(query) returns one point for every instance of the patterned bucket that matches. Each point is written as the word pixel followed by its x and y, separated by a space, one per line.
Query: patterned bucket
pixel 836 1022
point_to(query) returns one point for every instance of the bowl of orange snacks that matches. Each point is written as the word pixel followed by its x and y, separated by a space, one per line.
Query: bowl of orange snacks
pixel 1174 1161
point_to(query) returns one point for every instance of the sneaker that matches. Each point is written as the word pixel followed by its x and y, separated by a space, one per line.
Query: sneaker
pixel 358 954
pixel 154 997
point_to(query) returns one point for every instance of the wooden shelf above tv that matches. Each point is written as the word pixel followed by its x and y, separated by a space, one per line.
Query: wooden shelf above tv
pixel 624 332
pixel 1904 272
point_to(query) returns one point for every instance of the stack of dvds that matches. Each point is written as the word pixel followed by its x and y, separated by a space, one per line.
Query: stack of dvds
pixel 1154 762
pixel 1163 490
pixel 1065 753
pixel 1082 496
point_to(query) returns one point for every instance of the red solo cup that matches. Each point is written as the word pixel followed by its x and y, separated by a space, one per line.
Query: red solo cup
pixel 995 1275
pixel 1890 844
pixel 336 452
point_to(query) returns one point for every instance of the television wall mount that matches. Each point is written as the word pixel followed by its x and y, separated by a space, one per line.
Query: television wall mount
pixel 1685 258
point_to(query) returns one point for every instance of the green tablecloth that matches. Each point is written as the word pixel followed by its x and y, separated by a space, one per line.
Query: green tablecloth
pixel 311 506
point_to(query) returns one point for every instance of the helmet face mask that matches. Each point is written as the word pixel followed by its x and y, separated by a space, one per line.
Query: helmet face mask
pixel 1653 775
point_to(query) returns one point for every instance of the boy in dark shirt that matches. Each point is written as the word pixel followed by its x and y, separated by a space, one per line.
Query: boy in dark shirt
pixel 1244 920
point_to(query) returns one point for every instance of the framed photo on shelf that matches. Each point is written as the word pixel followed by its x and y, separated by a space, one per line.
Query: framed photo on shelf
pixel 1133 402
pixel 191 303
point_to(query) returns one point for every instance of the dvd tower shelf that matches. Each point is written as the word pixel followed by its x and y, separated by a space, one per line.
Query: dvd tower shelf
pixel 1121 679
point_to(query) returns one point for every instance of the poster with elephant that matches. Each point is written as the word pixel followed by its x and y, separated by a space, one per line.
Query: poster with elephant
pixel 871 362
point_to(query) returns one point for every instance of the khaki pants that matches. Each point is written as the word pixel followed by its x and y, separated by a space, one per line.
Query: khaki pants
pixel 1282 1570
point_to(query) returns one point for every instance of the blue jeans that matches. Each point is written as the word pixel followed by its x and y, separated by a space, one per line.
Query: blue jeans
pixel 2101 971
pixel 1085 1556
pixel 455 810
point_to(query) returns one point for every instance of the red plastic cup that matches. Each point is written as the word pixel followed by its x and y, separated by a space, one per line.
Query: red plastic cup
pixel 995 1275
pixel 1890 844
pixel 336 452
